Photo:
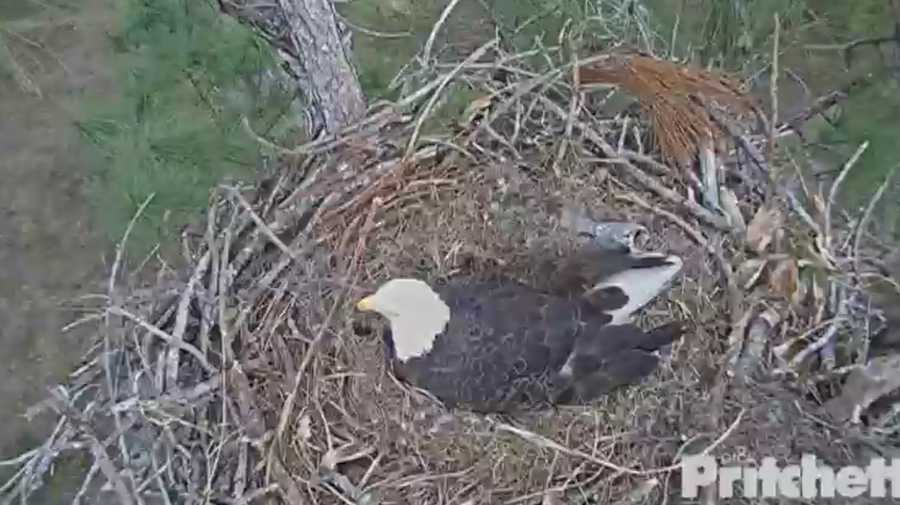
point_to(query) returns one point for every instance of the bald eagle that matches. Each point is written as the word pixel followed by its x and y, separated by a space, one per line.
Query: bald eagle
pixel 503 346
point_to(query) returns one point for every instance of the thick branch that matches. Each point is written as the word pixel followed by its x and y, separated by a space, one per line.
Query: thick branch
pixel 305 34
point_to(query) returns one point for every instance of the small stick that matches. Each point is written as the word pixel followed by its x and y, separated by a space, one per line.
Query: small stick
pixel 157 477
pixel 109 471
pixel 802 212
pixel 833 326
pixel 548 443
pixel 521 89
pixel 426 52
pixel 101 458
pixel 120 247
pixel 375 33
pixel 181 318
pixel 709 169
pixel 107 343
pixel 832 194
pixel 184 346
pixel 773 87
pixel 622 134
pixel 574 107
pixel 261 224
pixel 867 215
pixel 225 278
pixel 442 83
pixel 215 264
pixel 690 230
pixel 92 472
pixel 648 162
pixel 646 180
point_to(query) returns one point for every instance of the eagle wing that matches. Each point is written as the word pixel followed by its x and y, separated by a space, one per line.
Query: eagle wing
pixel 610 357
pixel 592 263
pixel 501 348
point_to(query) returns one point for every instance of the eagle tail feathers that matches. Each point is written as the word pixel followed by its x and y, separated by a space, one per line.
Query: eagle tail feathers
pixel 627 368
pixel 628 358
pixel 662 336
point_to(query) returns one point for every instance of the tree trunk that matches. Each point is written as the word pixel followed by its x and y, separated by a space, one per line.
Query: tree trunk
pixel 894 49
pixel 306 35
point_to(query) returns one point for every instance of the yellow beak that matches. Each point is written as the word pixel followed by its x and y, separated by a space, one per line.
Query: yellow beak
pixel 365 304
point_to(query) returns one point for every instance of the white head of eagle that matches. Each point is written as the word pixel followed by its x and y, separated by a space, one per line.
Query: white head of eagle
pixel 415 312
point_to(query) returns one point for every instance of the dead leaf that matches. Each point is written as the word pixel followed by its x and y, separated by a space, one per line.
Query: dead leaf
pixel 819 204
pixel 784 279
pixel 804 301
pixel 780 240
pixel 759 332
pixel 819 299
pixel 732 209
pixel 736 340
pixel 864 386
pixel 762 228
pixel 475 106
pixel 305 428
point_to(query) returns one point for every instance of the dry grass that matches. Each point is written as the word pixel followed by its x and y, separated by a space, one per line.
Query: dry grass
pixel 674 97
pixel 249 377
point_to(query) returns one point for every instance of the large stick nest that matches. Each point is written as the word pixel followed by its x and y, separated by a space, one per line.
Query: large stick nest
pixel 247 377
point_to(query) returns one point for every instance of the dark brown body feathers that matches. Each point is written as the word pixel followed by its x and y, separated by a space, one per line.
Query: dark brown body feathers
pixel 506 344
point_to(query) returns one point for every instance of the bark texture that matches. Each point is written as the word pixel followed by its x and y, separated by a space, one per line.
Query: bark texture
pixel 307 36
